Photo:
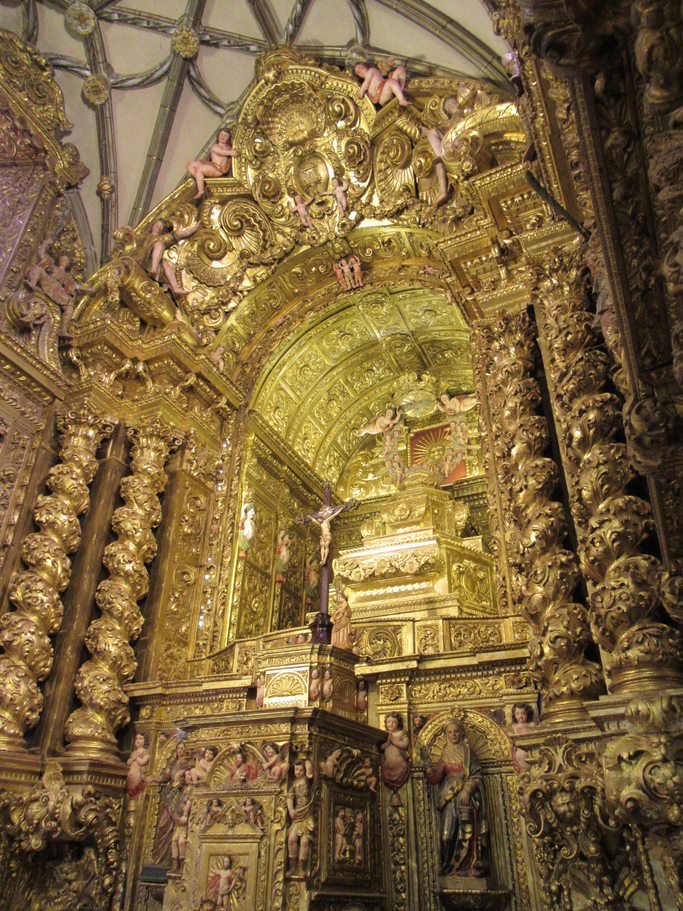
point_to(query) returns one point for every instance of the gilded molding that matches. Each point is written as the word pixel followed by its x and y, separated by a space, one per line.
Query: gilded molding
pixel 35 591
pixel 91 728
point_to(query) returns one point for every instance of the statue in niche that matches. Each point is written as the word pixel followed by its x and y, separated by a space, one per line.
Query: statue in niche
pixel 172 794
pixel 300 809
pixel 312 582
pixel 459 800
pixel 219 164
pixel 138 762
pixel 522 721
pixel 283 555
pixel 395 761
pixel 247 529
pixel 243 770
pixel 227 885
pixel 181 809
pixel 342 633
pixel 381 89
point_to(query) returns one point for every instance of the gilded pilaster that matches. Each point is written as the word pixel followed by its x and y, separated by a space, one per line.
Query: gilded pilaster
pixel 35 591
pixel 544 572
pixel 614 526
pixel 91 728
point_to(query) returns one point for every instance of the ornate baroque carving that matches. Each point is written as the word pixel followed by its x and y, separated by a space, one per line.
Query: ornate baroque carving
pixel 92 727
pixel 25 632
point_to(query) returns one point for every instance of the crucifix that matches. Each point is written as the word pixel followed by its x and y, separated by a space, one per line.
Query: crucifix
pixel 321 626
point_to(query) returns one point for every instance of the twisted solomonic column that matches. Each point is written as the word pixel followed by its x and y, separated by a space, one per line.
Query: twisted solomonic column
pixel 544 573
pixel 640 649
pixel 35 591
pixel 91 728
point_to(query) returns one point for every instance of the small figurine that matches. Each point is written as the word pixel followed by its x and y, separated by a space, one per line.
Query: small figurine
pixel 314 685
pixel 299 807
pixel 356 271
pixel 57 283
pixel 342 829
pixel 300 208
pixel 217 355
pixel 395 764
pixel 275 764
pixel 522 721
pixel 253 813
pixel 260 690
pixel 362 698
pixel 339 190
pixel 181 819
pixel 370 774
pixel 247 529
pixel 342 276
pixel 214 810
pixel 312 581
pixel 138 761
pixel 358 838
pixel 451 405
pixel 383 423
pixel 348 273
pixel 160 240
pixel 328 684
pixel 436 141
pixel 282 555
pixel 380 89
pixel 221 155
pixel 342 634
pixel 202 766
pixel 328 766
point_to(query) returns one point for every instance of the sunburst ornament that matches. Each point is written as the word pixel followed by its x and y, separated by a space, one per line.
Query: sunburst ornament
pixel 428 447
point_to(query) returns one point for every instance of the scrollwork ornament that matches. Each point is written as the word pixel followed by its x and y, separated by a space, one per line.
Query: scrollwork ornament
pixel 92 727
pixel 35 591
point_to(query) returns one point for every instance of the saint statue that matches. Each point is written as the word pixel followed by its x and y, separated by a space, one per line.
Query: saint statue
pixel 459 799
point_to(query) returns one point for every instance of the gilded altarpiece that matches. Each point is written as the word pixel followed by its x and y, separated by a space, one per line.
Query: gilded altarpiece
pixel 403 766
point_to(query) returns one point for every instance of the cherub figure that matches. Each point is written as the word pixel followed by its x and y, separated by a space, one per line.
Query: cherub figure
pixel 160 240
pixel 436 141
pixel 456 404
pixel 253 813
pixel 217 355
pixel 203 763
pixel 138 761
pixel 370 774
pixel 275 763
pixel 381 89
pixel 339 190
pixel 342 276
pixel 356 271
pixel 56 282
pixel 383 423
pixel 219 164
pixel 300 208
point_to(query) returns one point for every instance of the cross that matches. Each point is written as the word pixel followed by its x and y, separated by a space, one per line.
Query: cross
pixel 321 626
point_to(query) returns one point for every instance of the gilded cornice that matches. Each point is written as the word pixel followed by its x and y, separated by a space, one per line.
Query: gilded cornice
pixel 26 79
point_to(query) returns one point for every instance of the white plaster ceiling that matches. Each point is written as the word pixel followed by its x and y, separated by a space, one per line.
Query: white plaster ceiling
pixel 143 122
